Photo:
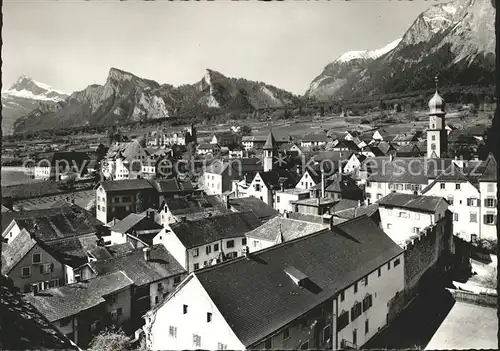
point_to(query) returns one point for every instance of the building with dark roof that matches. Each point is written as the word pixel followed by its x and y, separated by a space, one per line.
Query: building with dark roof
pixel 23 327
pixel 153 271
pixel 210 240
pixel 220 174
pixel 190 207
pixel 294 295
pixel 136 229
pixel 82 309
pixel 262 210
pixel 59 164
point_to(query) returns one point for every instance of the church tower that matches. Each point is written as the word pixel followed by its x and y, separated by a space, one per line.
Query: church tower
pixel 437 136
pixel 270 151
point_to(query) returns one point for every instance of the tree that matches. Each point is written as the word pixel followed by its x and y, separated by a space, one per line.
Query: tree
pixel 245 130
pixel 110 340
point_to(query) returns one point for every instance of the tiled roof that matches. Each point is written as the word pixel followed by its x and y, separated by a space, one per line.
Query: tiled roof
pixel 207 230
pixel 359 245
pixel 404 137
pixel 354 212
pixel 165 186
pixel 23 327
pixel 30 190
pixel 412 202
pixel 126 150
pixel 315 201
pixel 126 184
pixel 5 209
pixel 332 156
pixel 57 223
pixel 490 172
pixel 127 223
pixel 313 218
pixel 342 184
pixel 68 300
pixel 408 148
pixel 257 206
pixel 15 250
pixel 73 251
pixel 287 228
pixel 415 170
pixel 274 178
pixel 191 204
pixel 315 137
pixel 160 266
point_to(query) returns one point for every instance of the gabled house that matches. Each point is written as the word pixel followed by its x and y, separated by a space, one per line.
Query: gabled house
pixel 208 148
pixel 154 272
pixel 124 160
pixel 353 163
pixel 82 309
pixel 405 138
pixel 314 140
pixel 218 177
pixel 284 199
pixel 30 265
pixel 136 229
pixel 265 184
pixel 225 139
pixel 381 135
pixel 60 164
pixel 189 207
pixel 312 299
pixel 207 241
pixel 409 150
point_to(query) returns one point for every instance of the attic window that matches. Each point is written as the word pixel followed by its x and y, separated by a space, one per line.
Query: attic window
pixel 297 276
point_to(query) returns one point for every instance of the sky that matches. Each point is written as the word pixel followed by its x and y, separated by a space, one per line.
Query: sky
pixel 72 44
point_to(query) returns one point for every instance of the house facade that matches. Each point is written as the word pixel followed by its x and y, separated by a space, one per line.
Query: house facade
pixel 285 197
pixel 305 312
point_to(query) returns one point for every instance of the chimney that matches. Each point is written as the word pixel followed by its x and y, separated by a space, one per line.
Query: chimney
pixel 282 186
pixel 147 253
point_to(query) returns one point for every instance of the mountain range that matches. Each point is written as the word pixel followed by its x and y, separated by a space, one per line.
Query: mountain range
pixel 23 97
pixel 455 40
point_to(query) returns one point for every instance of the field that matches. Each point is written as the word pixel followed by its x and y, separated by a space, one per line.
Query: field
pixel 14 176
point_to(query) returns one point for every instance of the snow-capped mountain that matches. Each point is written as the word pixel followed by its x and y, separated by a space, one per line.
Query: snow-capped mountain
pixel 126 98
pixel 455 40
pixel 24 96
pixel 344 68
pixel 367 54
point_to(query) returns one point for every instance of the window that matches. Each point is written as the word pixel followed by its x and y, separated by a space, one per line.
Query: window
pixel 342 296
pixel 366 280
pixel 490 202
pixel 244 241
pixel 230 244
pixel 196 252
pixel 157 299
pixel 54 283
pixel 221 346
pixel 389 225
pixel 196 266
pixel 379 185
pixel 277 199
pixel 216 247
pixel 36 258
pixel 184 309
pixel 177 280
pixel 433 138
pixel 356 287
pixel 172 331
pixel 473 238
pixel 490 219
pixel 327 333
pixel 46 268
pixel 396 262
pixel 355 311
pixel 450 200
pixel 433 146
pixel 196 340
pixel 367 302
pixel 268 344
pixel 415 230
pixel 368 184
pixel 257 187
pixel 286 333
pixel 379 270
pixel 208 249
pixel 455 217
pixel 209 317
pixel 367 327
pixel 342 320
pixel 473 217
pixel 354 336
pixel 25 272
pixel 388 265
pixel 457 186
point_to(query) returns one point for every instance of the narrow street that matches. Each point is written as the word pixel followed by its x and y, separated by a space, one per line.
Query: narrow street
pixel 414 328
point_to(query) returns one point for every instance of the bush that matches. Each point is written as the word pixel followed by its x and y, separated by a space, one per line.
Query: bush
pixel 110 340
